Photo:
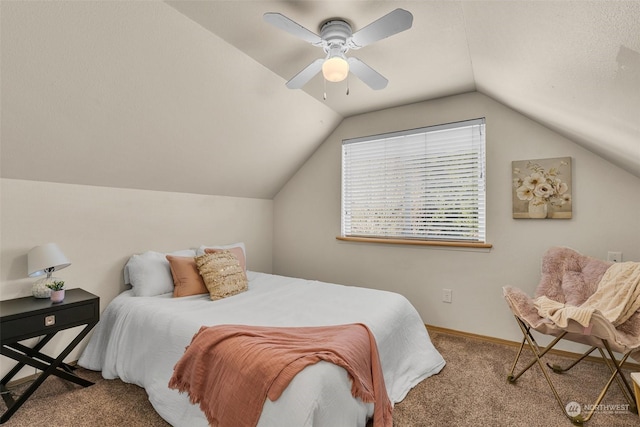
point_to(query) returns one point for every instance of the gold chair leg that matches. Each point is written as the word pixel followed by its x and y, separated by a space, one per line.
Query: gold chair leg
pixel 510 377
pixel 611 362
pixel 528 337
pixel 615 373
pixel 560 370
pixel 623 384
pixel 537 357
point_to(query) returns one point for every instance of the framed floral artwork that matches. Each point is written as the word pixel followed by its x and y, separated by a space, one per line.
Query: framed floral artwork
pixel 542 188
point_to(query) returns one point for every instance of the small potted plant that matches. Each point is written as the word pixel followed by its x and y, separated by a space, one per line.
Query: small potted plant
pixel 57 290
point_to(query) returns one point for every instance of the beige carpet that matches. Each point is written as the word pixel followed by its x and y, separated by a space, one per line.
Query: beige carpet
pixel 470 391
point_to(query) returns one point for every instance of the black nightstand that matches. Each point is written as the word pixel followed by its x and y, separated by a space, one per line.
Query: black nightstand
pixel 30 317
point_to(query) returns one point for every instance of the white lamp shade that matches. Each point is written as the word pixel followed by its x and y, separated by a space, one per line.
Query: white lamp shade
pixel 335 69
pixel 44 259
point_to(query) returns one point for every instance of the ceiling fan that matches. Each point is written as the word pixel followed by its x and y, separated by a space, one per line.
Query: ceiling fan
pixel 336 38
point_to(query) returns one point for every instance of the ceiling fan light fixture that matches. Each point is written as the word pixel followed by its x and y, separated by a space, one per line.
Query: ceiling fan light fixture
pixel 335 69
pixel 336 38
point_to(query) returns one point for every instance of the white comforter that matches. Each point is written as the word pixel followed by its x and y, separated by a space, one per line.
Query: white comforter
pixel 140 339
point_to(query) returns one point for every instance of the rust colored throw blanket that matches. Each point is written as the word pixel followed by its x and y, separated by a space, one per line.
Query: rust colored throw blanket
pixel 231 369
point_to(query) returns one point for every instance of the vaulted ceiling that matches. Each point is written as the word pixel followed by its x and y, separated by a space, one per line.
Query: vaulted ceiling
pixel 189 95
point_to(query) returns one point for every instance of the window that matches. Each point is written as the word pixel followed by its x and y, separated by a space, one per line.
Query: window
pixel 420 184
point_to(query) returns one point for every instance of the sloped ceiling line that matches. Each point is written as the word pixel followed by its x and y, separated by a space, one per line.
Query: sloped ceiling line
pixel 466 36
pixel 189 96
pixel 550 61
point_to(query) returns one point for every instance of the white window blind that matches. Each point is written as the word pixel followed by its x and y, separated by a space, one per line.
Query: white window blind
pixel 426 184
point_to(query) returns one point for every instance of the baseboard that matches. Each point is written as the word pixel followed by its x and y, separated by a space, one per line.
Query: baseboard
pixel 627 365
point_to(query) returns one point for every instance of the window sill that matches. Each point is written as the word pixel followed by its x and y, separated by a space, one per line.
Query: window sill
pixel 415 242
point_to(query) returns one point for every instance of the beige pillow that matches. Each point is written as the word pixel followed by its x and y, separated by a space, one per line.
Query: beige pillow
pixel 186 277
pixel 236 250
pixel 222 274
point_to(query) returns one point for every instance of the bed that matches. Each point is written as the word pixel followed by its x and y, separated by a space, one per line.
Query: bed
pixel 139 339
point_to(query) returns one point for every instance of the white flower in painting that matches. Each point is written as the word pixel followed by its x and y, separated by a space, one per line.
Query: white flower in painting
pixel 562 200
pixel 543 190
pixel 533 180
pixel 524 193
pixel 561 187
pixel 542 186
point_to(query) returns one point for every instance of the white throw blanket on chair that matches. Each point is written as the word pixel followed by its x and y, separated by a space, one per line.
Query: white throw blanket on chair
pixel 617 298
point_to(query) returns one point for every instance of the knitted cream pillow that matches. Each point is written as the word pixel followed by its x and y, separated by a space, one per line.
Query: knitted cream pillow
pixel 222 274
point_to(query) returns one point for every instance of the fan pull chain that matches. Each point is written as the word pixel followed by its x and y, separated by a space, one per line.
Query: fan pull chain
pixel 324 93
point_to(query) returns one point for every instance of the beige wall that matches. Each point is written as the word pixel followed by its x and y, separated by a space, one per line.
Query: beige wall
pixel 162 102
pixel 605 217
pixel 98 228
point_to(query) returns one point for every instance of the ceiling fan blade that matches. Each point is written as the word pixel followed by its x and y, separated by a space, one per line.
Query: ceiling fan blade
pixel 303 77
pixel 392 23
pixel 280 21
pixel 371 77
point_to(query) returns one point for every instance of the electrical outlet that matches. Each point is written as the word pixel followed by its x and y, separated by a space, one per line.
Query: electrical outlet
pixel 447 295
pixel 614 256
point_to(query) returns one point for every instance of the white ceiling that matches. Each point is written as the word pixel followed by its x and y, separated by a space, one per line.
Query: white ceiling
pixel 189 95
pixel 573 66
pixel 430 60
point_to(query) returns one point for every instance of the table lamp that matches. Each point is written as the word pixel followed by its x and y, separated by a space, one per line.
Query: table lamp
pixel 41 260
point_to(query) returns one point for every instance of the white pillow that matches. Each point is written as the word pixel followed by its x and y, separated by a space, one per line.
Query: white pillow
pixel 201 249
pixel 149 273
